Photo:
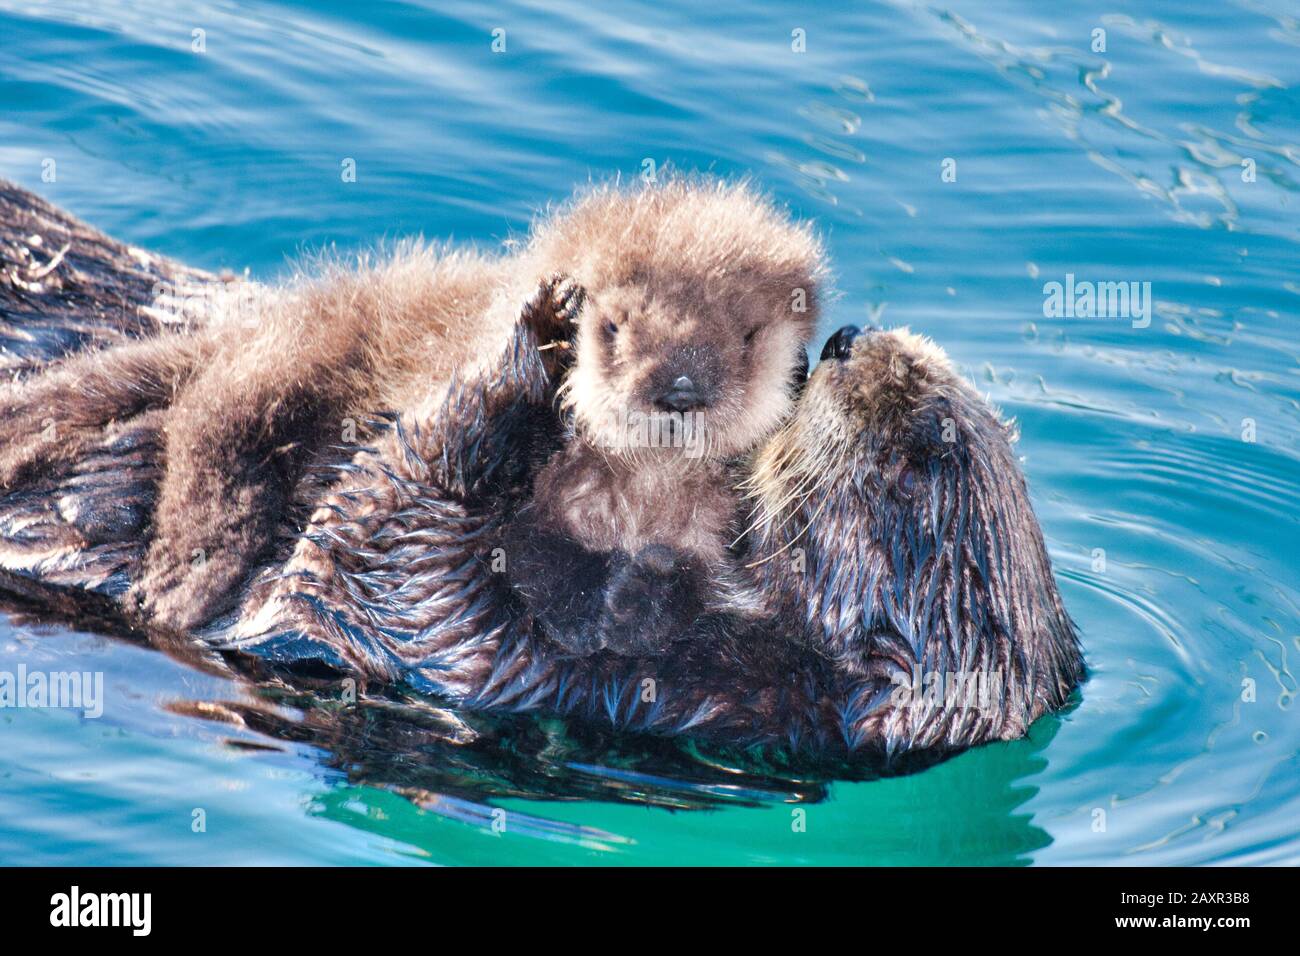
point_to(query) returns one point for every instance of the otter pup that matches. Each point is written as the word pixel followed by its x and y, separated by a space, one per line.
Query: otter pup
pixel 246 400
pixel 688 350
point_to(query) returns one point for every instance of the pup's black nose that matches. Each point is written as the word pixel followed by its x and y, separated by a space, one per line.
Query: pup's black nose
pixel 682 396
pixel 841 343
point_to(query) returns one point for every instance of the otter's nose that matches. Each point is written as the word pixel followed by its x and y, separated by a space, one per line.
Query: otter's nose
pixel 681 396
pixel 841 343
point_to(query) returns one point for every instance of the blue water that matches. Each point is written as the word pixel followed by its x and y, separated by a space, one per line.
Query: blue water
pixel 1164 460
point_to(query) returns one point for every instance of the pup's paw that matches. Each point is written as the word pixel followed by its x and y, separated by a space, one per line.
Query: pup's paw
pixel 649 603
pixel 550 315
pixel 566 301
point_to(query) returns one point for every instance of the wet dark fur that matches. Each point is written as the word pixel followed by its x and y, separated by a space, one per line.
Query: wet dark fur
pixel 393 582
pixel 905 548
pixel 820 676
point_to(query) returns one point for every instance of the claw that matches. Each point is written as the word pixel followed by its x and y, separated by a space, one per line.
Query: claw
pixel 551 310
pixel 567 297
pixel 549 314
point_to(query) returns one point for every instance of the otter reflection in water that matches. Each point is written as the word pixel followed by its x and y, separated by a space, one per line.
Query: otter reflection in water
pixel 385 750
pixel 893 537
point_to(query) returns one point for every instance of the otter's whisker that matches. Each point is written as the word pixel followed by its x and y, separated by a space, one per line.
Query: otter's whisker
pixel 812 518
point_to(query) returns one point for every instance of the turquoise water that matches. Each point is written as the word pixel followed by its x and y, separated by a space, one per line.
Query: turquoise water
pixel 1164 460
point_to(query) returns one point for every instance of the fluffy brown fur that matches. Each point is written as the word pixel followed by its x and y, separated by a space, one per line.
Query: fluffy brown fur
pixel 253 392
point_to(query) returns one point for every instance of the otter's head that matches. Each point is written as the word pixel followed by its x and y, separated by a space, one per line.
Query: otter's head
pixel 700 298
pixel 893 520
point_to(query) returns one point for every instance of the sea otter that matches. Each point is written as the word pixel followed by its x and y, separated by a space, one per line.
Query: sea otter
pixel 895 494
pixel 930 564
pixel 911 601
pixel 709 283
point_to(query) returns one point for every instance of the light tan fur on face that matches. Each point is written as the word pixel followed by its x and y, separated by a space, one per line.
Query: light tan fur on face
pixel 684 267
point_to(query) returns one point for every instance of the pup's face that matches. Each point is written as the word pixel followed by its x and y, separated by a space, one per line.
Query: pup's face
pixel 900 485
pixel 672 361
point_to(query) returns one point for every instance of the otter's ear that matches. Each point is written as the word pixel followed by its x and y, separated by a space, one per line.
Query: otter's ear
pixel 794 294
pixel 901 369
pixel 931 431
